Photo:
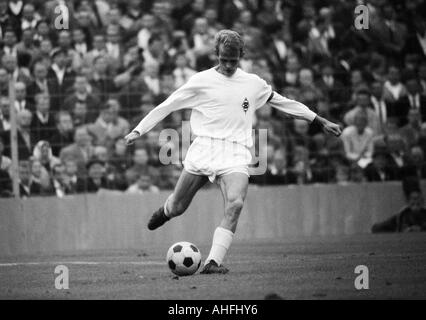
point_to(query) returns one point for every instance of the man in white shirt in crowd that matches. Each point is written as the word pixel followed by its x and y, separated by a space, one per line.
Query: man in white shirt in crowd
pixel 363 102
pixel 4 114
pixel 223 100
pixel 21 97
pixel 358 140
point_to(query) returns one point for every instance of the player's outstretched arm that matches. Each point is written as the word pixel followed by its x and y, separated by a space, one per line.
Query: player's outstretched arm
pixel 298 110
pixel 182 98
pixel 328 126
pixel 131 137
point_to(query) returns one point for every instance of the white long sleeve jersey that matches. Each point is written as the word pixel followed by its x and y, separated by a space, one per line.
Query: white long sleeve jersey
pixel 223 107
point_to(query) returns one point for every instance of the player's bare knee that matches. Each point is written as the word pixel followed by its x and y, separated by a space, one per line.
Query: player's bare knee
pixel 234 206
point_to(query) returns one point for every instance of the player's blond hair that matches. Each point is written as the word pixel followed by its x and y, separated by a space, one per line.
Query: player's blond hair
pixel 230 39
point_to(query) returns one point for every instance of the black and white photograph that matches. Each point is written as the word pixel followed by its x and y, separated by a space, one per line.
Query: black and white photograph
pixel 210 155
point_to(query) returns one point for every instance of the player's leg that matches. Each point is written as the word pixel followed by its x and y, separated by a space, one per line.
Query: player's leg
pixel 185 190
pixel 234 190
pixel 176 204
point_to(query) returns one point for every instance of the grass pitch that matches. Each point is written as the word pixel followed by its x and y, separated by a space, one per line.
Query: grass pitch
pixel 300 268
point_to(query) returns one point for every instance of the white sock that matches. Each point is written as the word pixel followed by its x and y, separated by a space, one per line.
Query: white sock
pixel 222 240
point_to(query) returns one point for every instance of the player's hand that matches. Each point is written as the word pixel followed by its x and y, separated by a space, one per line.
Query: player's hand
pixel 131 137
pixel 329 126
pixel 333 128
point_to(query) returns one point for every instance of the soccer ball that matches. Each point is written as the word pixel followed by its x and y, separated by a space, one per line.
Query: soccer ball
pixel 183 258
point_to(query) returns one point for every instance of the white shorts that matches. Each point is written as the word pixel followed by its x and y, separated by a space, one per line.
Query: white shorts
pixel 216 157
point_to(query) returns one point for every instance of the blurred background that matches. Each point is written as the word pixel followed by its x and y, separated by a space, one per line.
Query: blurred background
pixel 77 92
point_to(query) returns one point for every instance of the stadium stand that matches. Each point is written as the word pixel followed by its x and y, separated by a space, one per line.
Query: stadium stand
pixel 80 90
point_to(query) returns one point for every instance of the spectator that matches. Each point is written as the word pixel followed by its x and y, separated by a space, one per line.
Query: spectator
pixel 46 48
pixel 416 166
pixel 141 162
pixel 321 159
pixel 363 103
pixel 101 78
pixel 379 168
pixel 292 68
pixel 301 133
pixel 278 173
pixel 96 178
pixel 143 185
pixel 25 140
pixel 27 187
pixel 120 157
pixel 358 140
pixel 202 44
pixel 43 123
pixel 388 35
pixel 63 133
pixel 109 125
pixel 58 182
pixel 42 32
pixel 114 17
pixel 73 60
pixel 114 47
pixel 82 95
pixel 29 18
pixel 4 82
pixel 398 153
pixel 80 43
pixel 412 100
pixel 40 176
pixel 381 107
pixel 411 131
pixel 246 20
pixel 393 87
pixel 43 153
pixel 118 162
pixel 81 150
pixel 70 178
pixel 9 43
pixel 21 101
pixel 306 83
pixel 412 218
pixel 5 184
pixel 145 33
pixel 5 162
pixel 301 166
pixel 416 39
pixel 62 77
pixel 157 54
pixel 99 50
pixel 182 72
pixel 26 46
pixel 212 20
pixel 41 83
pixel 333 88
pixel 343 174
pixel 4 114
pixel 320 37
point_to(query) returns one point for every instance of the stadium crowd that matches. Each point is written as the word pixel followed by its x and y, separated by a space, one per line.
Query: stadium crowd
pixel 79 90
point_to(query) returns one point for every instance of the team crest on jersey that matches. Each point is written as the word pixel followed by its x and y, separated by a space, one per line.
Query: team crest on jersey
pixel 245 105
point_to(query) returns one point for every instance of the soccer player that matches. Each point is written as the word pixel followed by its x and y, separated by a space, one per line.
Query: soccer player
pixel 223 100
